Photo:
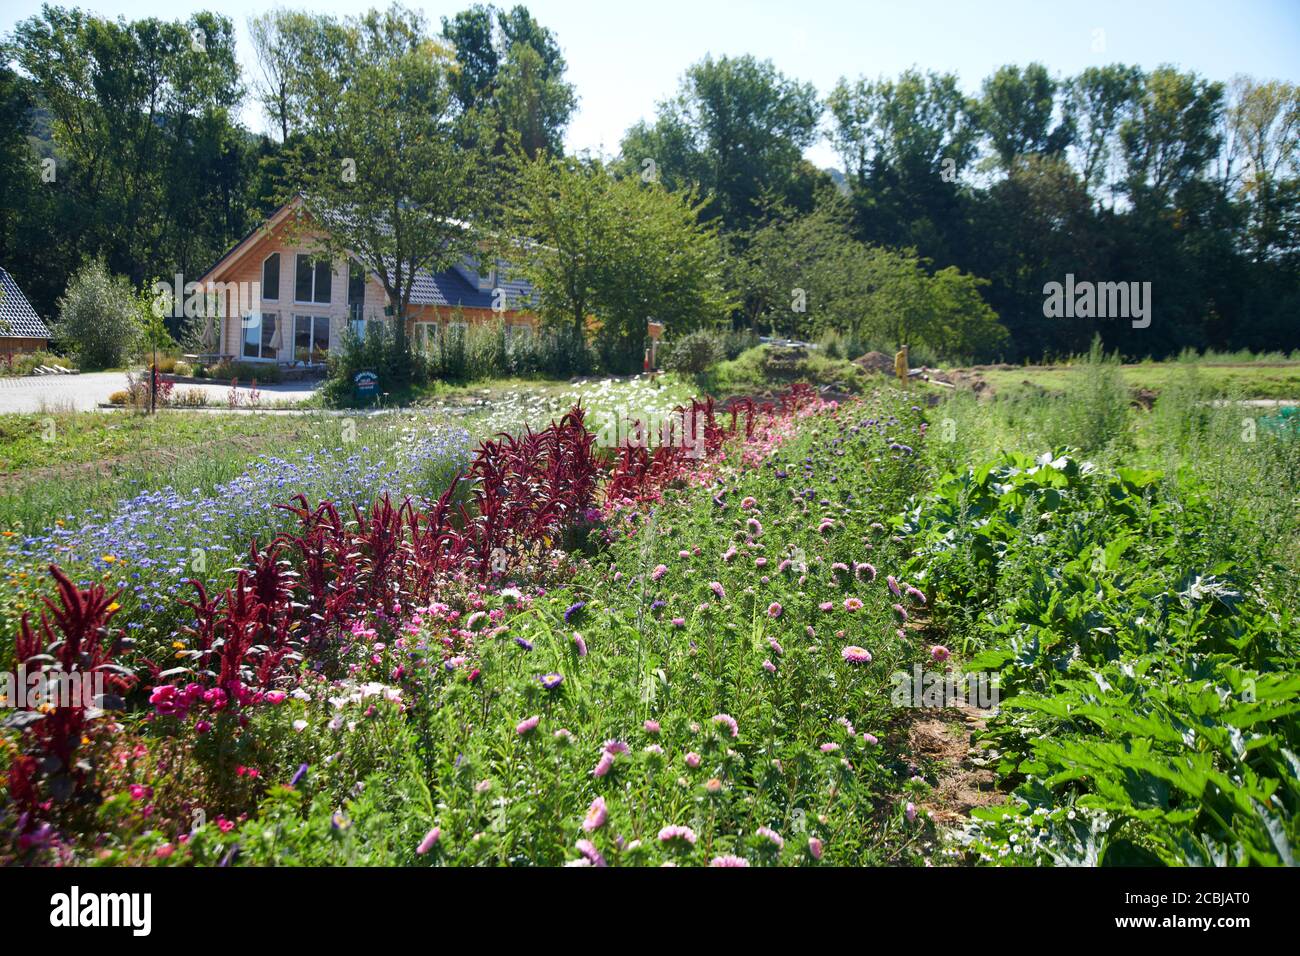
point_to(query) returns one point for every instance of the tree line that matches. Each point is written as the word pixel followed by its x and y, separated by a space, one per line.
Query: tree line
pixel 417 144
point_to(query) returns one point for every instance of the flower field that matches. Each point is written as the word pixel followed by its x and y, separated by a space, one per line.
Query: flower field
pixel 535 649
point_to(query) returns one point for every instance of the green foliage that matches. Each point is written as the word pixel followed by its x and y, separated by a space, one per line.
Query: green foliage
pixel 694 353
pixel 101 318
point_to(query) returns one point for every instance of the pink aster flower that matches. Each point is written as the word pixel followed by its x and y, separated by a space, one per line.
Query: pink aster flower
pixel 852 604
pixel 659 571
pixel 774 609
pixel 677 832
pixel 870 740
pixel 651 726
pixel 910 812
pixel 939 653
pixel 815 848
pixel 893 585
pixel 603 765
pixel 692 759
pixel 747 503
pixel 717 588
pixel 776 647
pixel 827 605
pixel 615 747
pixel 829 748
pixel 856 655
pixel 580 644
pixel 597 814
pixel 916 595
pixel 429 840
pixel 528 724
pixel 729 722
pixel 679 622
pixel 769 667
pixel 770 834
pixel 864 568
pixel 590 853
pixel 729 860
pixel 901 612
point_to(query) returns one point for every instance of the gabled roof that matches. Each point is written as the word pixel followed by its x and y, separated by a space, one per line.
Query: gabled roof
pixel 17 317
pixel 448 288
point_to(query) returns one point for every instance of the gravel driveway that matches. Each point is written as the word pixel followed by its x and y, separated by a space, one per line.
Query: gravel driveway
pixel 56 393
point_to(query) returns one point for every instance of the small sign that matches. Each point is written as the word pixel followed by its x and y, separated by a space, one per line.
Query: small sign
pixel 366 385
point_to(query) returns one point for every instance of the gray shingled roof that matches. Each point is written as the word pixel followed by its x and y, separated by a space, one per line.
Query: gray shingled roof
pixel 17 317
pixel 450 288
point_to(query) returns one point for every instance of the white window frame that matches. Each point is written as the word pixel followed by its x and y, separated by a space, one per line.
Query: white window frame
pixel 426 331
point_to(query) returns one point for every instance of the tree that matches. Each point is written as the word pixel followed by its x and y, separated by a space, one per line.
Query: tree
pixel 737 130
pixel 1097 101
pixel 1170 137
pixel 100 318
pixel 618 251
pixel 1015 113
pixel 511 67
pixel 400 177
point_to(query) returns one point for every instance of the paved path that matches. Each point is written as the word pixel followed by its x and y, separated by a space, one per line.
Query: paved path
pixel 57 393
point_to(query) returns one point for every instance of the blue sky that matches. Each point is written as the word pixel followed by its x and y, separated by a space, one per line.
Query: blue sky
pixel 625 56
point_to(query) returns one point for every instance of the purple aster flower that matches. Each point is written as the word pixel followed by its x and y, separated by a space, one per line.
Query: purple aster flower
pixel 552 680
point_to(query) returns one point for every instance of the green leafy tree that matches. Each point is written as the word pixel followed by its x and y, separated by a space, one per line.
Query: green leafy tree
pixel 399 175
pixel 101 318
pixel 1016 113
pixel 737 130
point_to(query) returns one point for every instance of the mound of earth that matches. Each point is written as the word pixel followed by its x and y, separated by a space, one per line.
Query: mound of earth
pixel 876 362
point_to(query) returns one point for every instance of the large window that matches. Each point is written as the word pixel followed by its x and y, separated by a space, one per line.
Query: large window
pixel 356 291
pixel 312 280
pixel 260 339
pixel 311 338
pixel 271 277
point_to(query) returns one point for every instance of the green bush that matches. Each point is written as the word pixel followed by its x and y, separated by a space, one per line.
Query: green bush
pixel 695 353
pixel 100 318
pixel 245 372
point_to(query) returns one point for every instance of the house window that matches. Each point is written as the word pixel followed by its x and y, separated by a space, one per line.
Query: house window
pixel 356 290
pixel 311 338
pixel 260 340
pixel 522 332
pixel 426 336
pixel 271 277
pixel 312 280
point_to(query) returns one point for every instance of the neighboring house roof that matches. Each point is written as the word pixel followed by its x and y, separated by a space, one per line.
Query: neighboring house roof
pixel 17 317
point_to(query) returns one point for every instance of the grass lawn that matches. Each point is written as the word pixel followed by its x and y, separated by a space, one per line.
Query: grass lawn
pixel 1278 380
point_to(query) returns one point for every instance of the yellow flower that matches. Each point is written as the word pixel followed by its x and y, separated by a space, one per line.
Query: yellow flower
pixel 114 607
pixel 109 558
pixel 178 644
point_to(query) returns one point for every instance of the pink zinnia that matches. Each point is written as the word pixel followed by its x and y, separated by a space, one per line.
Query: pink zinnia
pixel 774 609
pixel 852 604
pixel 856 655
pixel 729 722
pixel 429 840
pixel 527 725
pixel 677 832
pixel 597 814
pixel 729 860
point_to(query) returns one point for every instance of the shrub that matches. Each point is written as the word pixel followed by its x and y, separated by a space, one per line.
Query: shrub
pixel 24 363
pixel 695 353
pixel 100 318
pixel 245 372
